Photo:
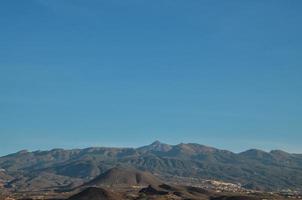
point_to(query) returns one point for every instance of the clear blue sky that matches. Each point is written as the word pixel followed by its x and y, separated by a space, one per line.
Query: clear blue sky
pixel 78 73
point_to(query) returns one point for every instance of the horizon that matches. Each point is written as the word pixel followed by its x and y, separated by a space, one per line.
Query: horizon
pixel 81 73
pixel 143 145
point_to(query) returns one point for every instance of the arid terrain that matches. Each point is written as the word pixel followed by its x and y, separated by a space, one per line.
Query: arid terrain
pixel 150 99
pixel 156 171
pixel 121 183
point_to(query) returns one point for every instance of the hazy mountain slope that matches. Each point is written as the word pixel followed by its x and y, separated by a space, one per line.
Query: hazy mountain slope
pixel 43 181
pixel 4 176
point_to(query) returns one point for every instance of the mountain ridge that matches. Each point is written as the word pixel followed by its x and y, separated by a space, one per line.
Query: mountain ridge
pixel 274 170
pixel 154 144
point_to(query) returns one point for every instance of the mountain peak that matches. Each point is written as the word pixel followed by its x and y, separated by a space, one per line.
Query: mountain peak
pixel 24 151
pixel 156 142
pixel 279 154
pixel 156 146
pixel 256 154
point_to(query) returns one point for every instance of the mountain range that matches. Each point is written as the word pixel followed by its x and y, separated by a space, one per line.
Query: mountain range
pixel 59 168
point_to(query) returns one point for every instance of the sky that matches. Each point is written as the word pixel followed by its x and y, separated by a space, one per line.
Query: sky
pixel 78 73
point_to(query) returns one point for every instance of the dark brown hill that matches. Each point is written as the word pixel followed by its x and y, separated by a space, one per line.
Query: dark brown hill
pixel 150 190
pixel 124 176
pixel 177 191
pixel 236 198
pixel 94 193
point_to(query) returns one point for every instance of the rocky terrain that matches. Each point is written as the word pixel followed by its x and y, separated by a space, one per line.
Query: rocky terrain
pixel 185 164
pixel 122 183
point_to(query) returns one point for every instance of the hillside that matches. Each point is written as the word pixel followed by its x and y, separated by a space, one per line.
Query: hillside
pixel 254 169
pixel 124 176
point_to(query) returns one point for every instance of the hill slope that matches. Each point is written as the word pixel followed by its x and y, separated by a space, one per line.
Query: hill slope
pixel 124 176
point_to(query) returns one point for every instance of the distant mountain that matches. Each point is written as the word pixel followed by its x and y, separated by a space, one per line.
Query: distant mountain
pixel 156 146
pixel 42 181
pixel 4 176
pixel 60 168
pixel 124 176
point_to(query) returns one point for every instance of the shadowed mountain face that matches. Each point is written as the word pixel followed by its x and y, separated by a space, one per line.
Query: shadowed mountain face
pixel 253 168
pixel 165 192
pixel 94 193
